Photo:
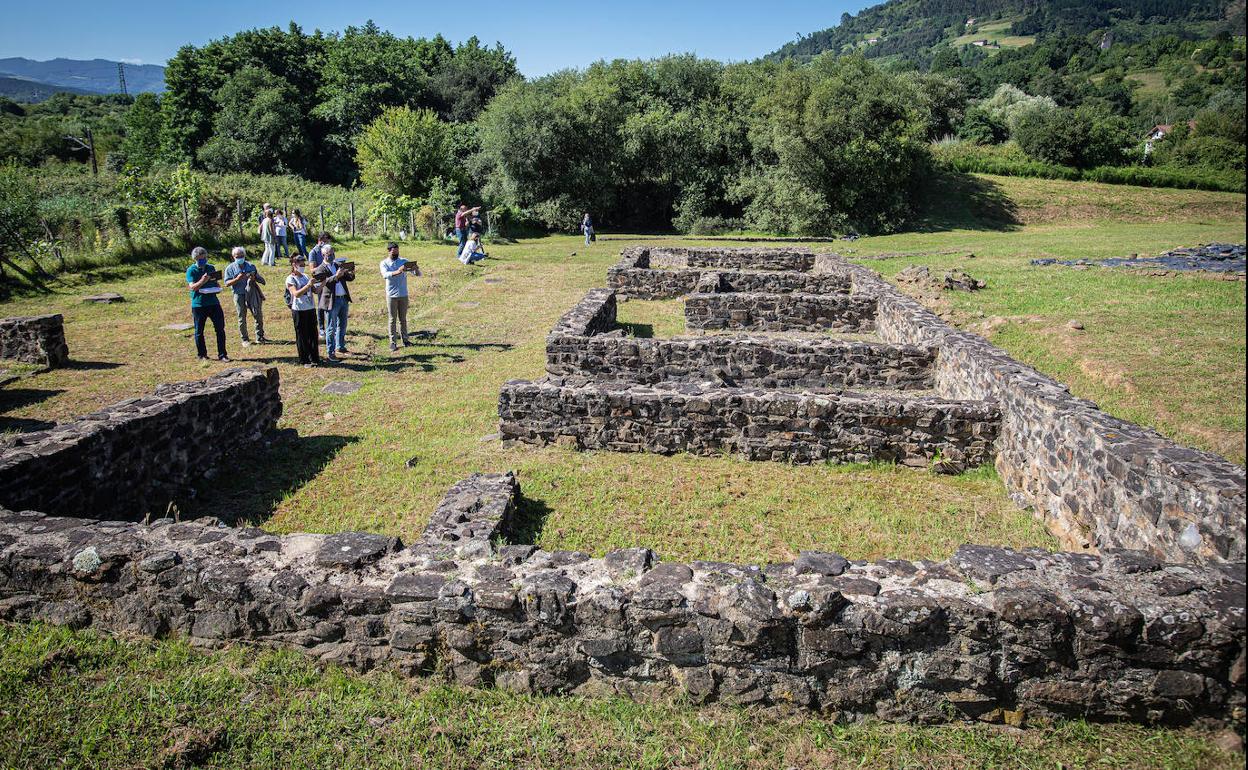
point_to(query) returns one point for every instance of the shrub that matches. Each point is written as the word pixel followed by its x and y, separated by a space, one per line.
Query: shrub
pixel 428 223
pixel 982 127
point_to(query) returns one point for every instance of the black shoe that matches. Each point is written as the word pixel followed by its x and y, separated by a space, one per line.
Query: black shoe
pixel 393 347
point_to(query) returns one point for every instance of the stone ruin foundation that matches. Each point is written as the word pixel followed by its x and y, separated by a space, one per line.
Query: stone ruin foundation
pixel 990 634
pixel 34 340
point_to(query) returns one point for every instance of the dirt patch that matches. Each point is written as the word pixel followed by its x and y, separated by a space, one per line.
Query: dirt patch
pixel 189 747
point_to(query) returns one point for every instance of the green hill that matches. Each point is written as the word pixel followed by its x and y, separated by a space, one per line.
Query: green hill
pixel 20 90
pixel 909 30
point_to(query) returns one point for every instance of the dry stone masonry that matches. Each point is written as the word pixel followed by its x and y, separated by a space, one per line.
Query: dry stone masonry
pixel 1097 482
pixel 135 456
pixel 34 340
pixel 1153 634
pixel 992 634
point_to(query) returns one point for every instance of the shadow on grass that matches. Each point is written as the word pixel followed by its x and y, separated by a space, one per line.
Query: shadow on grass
pixel 16 398
pixel 641 331
pixel 955 201
pixel 248 485
pixel 528 521
pixel 91 366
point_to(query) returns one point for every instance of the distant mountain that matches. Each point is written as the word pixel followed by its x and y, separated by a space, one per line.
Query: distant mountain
pixel 910 29
pixel 96 76
pixel 29 90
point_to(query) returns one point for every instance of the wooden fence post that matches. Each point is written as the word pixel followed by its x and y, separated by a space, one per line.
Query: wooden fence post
pixel 384 229
pixel 318 234
pixel 241 236
pixel 352 217
pixel 411 223
pixel 186 217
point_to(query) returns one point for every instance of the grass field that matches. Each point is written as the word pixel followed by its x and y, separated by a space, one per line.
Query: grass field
pixel 995 32
pixel 1168 352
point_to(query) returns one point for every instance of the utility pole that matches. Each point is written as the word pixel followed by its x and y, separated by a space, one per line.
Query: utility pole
pixel 121 79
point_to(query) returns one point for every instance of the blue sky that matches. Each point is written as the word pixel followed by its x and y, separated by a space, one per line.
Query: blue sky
pixel 544 36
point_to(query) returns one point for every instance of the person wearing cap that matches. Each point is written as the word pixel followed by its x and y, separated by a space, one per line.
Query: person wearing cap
pixel 205 305
pixel 394 270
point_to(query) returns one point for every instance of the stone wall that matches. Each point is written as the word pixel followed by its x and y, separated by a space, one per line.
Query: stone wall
pixel 594 314
pixel 34 340
pixel 754 362
pixel 707 419
pixel 135 456
pixel 1097 481
pixel 636 275
pixel 780 312
pixel 991 634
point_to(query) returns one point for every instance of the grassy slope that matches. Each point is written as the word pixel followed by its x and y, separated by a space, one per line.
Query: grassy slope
pixel 114 704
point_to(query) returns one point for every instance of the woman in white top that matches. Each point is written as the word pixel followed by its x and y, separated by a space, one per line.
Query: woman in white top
pixel 473 251
pixel 303 312
pixel 299 232
pixel 268 237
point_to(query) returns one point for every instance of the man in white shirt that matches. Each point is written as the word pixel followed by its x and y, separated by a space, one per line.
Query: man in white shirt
pixel 394 270
pixel 279 230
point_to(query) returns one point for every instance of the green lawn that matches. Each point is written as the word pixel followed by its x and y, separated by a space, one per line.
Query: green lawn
pixel 1163 351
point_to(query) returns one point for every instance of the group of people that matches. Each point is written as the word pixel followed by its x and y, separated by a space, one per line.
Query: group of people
pixel 317 290
pixel 277 230
pixel 468 230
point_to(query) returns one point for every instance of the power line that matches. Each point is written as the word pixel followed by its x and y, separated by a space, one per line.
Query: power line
pixel 121 78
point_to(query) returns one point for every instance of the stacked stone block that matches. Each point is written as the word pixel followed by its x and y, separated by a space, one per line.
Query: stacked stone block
pixel 136 456
pixel 34 340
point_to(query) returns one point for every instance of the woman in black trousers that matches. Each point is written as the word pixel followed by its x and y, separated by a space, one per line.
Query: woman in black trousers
pixel 303 311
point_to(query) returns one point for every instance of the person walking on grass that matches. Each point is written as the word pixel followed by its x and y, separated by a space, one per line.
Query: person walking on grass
pixel 333 276
pixel 303 311
pixel 245 280
pixel 587 227
pixel 279 235
pixel 299 232
pixel 394 270
pixel 268 236
pixel 202 280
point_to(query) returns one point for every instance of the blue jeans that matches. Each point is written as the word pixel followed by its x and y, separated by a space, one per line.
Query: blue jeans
pixel 336 326
pixel 462 235
pixel 281 249
pixel 589 235
pixel 301 243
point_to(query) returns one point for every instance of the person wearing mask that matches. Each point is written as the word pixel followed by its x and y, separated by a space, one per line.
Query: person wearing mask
pixel 315 258
pixel 299 232
pixel 303 311
pixel 394 270
pixel 279 236
pixel 201 279
pixel 333 276
pixel 462 215
pixel 587 226
pixel 245 280
pixel 268 236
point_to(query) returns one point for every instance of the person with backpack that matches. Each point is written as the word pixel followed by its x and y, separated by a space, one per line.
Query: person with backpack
pixel 302 311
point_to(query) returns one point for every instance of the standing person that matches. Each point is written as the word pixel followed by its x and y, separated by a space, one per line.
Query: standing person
pixel 279 235
pixel 268 236
pixel 303 311
pixel 587 226
pixel 316 258
pixel 205 305
pixel 394 270
pixel 299 232
pixel 335 300
pixel 245 280
pixel 461 225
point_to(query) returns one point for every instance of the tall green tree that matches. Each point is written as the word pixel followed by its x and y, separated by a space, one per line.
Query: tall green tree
pixel 403 151
pixel 257 127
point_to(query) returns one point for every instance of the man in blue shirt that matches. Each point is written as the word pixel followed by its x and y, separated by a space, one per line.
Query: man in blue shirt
pixel 245 280
pixel 205 305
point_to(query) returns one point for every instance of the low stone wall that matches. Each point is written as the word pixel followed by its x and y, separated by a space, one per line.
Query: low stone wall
pixel 635 275
pixel 757 424
pixel 790 259
pixel 34 340
pixel 754 362
pixel 780 312
pixel 1098 482
pixel 594 314
pixel 991 634
pixel 135 456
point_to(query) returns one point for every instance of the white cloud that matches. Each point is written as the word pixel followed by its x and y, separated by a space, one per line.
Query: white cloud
pixel 131 61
